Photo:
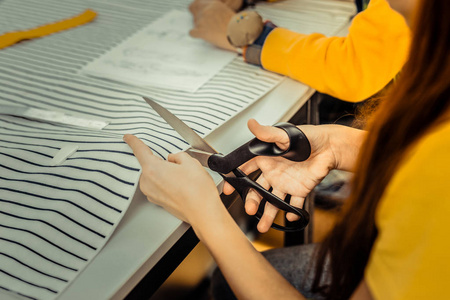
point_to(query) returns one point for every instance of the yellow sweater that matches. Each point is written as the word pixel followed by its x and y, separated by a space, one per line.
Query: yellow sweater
pixel 411 255
pixel 350 68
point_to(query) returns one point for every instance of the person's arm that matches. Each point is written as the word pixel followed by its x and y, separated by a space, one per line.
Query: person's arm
pixel 195 199
pixel 247 272
pixel 350 68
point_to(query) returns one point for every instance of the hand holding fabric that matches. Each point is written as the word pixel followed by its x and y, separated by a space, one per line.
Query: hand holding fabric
pixel 180 185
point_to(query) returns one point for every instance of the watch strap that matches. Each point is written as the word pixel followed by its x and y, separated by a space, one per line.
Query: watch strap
pixel 252 53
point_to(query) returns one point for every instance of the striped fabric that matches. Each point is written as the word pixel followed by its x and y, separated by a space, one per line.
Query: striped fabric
pixel 55 219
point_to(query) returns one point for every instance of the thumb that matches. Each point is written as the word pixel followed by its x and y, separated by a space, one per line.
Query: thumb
pixel 195 33
pixel 179 158
pixel 268 134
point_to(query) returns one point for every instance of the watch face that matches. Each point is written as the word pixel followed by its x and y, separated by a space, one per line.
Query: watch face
pixel 244 28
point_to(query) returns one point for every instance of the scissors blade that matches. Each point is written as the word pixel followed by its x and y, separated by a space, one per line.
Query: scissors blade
pixel 185 131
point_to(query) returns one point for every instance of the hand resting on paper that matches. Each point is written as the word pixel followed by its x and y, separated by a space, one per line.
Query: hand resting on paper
pixel 211 19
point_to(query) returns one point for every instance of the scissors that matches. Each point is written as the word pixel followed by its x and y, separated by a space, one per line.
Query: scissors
pixel 227 165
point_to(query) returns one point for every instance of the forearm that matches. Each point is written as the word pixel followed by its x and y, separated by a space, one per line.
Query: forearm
pixel 350 68
pixel 333 146
pixel 249 275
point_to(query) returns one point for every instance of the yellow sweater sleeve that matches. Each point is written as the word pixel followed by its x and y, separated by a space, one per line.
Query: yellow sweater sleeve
pixel 350 68
pixel 410 258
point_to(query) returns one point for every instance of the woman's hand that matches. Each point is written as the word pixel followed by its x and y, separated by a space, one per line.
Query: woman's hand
pixel 297 178
pixel 186 190
pixel 180 185
pixel 211 18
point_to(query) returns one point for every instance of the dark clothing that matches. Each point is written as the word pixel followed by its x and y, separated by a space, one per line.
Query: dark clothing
pixel 296 264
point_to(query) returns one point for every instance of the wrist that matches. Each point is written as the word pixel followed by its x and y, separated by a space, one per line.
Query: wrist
pixel 345 143
pixel 211 214
pixel 212 223
pixel 247 4
pixel 251 3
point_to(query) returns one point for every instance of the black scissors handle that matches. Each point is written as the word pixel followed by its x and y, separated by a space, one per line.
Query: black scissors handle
pixel 243 184
pixel 299 150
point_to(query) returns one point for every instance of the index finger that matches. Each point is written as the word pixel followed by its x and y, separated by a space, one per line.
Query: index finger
pixel 142 152
pixel 247 168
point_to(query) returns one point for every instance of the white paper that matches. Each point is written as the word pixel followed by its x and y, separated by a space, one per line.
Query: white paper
pixel 162 55
pixel 51 116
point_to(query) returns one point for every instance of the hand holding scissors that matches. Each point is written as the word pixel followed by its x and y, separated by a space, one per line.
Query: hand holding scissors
pixel 227 166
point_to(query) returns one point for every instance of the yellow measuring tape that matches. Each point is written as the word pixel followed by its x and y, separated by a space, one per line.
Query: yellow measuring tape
pixel 10 38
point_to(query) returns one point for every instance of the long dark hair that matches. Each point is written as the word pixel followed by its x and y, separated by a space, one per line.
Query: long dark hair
pixel 419 98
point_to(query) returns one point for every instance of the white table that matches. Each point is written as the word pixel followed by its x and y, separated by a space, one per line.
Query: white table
pixel 147 233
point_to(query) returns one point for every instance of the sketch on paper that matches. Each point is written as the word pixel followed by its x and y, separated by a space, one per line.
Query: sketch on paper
pixel 162 55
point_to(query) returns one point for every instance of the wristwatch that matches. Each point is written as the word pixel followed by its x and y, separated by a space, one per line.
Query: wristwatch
pixel 247 32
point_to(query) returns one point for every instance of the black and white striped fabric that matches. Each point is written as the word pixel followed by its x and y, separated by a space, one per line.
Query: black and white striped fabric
pixel 55 219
